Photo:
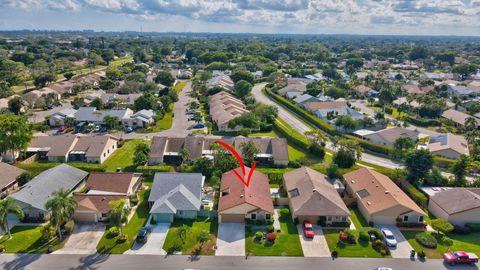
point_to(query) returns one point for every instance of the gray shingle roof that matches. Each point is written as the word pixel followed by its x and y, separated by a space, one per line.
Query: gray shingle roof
pixel 37 192
pixel 176 191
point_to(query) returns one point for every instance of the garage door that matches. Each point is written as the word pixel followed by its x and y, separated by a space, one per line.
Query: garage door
pixel 164 218
pixel 384 220
pixel 85 217
pixel 232 218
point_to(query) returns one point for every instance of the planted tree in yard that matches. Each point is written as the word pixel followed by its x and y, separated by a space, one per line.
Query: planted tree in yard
pixel 182 232
pixel 15 133
pixel 347 152
pixel 164 77
pixel 60 209
pixel 15 105
pixel 118 214
pixel 460 169
pixel 97 103
pixel 317 142
pixel 185 155
pixel 68 75
pixel 242 88
pixel 346 122
pixel 23 178
pixel 441 225
pixel 111 121
pixel 471 123
pixel 249 151
pixel 419 163
pixel 203 237
pixel 69 121
pixel 402 144
pixel 141 154
pixel 9 206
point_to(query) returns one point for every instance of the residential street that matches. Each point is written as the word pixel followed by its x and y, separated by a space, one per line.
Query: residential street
pixel 290 119
pixel 39 116
pixel 146 262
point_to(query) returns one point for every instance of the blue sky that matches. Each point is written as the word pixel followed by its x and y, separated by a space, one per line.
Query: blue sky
pixel 418 17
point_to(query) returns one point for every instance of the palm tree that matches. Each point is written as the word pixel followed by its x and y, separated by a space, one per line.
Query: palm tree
pixel 7 206
pixel 471 123
pixel 60 209
pixel 118 214
pixel 203 237
pixel 185 154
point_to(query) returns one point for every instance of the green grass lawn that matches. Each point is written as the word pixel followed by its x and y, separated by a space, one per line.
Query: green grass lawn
pixel 123 157
pixel 358 219
pixel 161 125
pixel 179 86
pixel 173 242
pixel 110 245
pixel 286 244
pixel 28 239
pixel 360 249
pixel 469 243
pixel 264 134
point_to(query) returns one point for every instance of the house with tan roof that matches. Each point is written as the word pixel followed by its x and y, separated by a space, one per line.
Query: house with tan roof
pixel 457 205
pixel 313 198
pixel 223 107
pixel 458 118
pixel 448 146
pixel 388 136
pixel 238 202
pixel 8 178
pixel 101 189
pixel 380 200
pixel 65 148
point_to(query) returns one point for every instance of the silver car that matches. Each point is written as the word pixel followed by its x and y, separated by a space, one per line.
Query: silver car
pixel 389 237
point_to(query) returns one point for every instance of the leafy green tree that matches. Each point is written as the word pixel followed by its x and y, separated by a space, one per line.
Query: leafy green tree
pixel 11 71
pixel 204 237
pixel 333 171
pixel 43 79
pixel 164 77
pixel 5 90
pixel 118 214
pixel 242 75
pixel 15 133
pixel 346 122
pixel 146 101
pixel 106 84
pixel 141 154
pixel 23 178
pixel 113 73
pixel 166 101
pixel 471 123
pixel 94 60
pixel 97 103
pixel 9 206
pixel 203 165
pixel 111 121
pixel 108 55
pixel 68 75
pixel 464 70
pixel 460 169
pixel 60 209
pixel 419 163
pixel 185 155
pixel 347 152
pixel 15 105
pixel 249 151
pixel 182 232
pixel 69 122
pixel 402 144
pixel 242 88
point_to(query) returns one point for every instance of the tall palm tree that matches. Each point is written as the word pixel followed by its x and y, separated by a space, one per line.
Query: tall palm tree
pixel 60 209
pixel 118 214
pixel 7 206
pixel 471 123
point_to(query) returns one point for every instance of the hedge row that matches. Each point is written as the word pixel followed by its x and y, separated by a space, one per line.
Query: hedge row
pixel 151 170
pixel 414 193
pixel 319 123
pixel 474 227
pixel 292 137
pixel 444 162
pixel 326 127
pixel 423 122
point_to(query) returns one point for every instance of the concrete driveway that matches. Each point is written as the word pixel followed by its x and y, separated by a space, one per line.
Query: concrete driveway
pixel 316 247
pixel 84 239
pixel 230 239
pixel 403 247
pixel 154 244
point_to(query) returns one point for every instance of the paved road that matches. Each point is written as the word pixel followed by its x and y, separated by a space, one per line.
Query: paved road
pixel 146 262
pixel 39 116
pixel 290 119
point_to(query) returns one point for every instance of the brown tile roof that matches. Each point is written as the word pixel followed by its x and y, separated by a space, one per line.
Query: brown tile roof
pixel 449 141
pixel 257 194
pixel 8 174
pixel 362 89
pixel 413 89
pixel 99 203
pixel 112 182
pixel 158 147
pixel 457 200
pixel 392 134
pixel 381 192
pixel 316 196
pixel 313 106
pixel 458 117
pixel 93 146
pixel 58 145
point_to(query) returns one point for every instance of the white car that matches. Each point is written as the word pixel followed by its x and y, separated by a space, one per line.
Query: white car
pixel 389 238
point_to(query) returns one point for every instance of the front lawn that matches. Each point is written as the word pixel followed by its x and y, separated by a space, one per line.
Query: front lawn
pixel 174 243
pixel 110 245
pixel 162 124
pixel 469 243
pixel 28 239
pixel 358 219
pixel 123 157
pixel 360 249
pixel 287 242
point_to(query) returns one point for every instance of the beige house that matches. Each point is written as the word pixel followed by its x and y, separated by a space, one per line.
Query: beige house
pixel 238 202
pixel 8 178
pixel 457 205
pixel 388 136
pixel 312 197
pixel 380 200
pixel 223 108
pixel 448 146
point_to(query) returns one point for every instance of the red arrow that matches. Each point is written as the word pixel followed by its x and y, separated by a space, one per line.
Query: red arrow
pixel 246 182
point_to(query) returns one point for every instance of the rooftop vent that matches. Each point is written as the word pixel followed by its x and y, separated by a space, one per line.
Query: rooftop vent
pixel 386 192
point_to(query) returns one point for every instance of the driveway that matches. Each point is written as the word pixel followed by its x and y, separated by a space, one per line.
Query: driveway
pixel 84 239
pixel 154 244
pixel 230 239
pixel 403 247
pixel 316 247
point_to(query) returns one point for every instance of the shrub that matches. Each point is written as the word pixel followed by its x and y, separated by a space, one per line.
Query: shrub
pixel 271 237
pixel 462 230
pixel 122 239
pixel 48 232
pixel 381 247
pixel 294 164
pixel 375 231
pixel 270 228
pixel 2 248
pixel 113 232
pixel 442 225
pixel 133 200
pixel 340 224
pixel 69 226
pixel 363 235
pixel 474 227
pixel 426 239
pixel 258 235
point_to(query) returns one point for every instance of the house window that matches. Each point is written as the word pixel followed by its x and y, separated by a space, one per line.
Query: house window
pixel 267 216
pixel 104 154
pixel 405 218
pixel 420 219
pixel 254 216
pixel 329 218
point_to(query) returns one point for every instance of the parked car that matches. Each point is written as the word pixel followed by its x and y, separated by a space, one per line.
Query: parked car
pixel 389 237
pixel 460 257
pixel 128 129
pixel 308 230
pixel 97 128
pixel 142 235
pixel 199 125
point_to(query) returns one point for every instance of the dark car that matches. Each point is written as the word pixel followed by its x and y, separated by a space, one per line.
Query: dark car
pixel 142 235
pixel 199 125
